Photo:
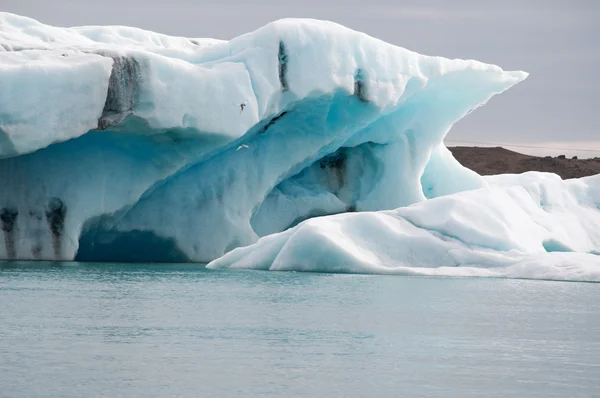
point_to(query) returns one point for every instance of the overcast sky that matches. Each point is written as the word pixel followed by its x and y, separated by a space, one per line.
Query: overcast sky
pixel 556 41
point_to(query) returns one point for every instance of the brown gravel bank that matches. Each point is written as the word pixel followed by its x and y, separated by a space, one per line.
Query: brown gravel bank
pixel 498 160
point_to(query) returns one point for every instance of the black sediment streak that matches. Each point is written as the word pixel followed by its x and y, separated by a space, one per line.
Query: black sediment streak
pixel 36 252
pixel 123 91
pixel 8 218
pixel 360 88
pixel 272 122
pixel 36 249
pixel 283 60
pixel 55 215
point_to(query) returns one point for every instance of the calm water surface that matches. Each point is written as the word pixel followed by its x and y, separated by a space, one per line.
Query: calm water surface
pixel 164 331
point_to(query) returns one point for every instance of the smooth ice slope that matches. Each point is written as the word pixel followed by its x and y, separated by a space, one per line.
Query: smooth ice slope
pixel 529 226
pixel 123 144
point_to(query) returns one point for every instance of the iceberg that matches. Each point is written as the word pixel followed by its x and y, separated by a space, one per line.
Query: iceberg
pixel 120 144
pixel 303 145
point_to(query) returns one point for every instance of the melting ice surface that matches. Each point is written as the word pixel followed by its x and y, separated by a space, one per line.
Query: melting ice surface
pixel 529 226
pixel 120 144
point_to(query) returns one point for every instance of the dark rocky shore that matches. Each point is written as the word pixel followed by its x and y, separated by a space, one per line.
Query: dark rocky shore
pixel 498 160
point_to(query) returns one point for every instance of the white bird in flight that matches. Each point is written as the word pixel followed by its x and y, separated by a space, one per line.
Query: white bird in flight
pixel 242 146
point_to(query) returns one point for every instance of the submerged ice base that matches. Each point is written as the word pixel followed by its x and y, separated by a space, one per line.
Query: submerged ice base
pixel 120 144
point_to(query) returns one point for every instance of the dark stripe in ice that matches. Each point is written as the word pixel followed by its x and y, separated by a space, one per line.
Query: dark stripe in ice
pixel 37 248
pixel 360 88
pixel 272 122
pixel 55 215
pixel 283 60
pixel 123 91
pixel 36 251
pixel 8 218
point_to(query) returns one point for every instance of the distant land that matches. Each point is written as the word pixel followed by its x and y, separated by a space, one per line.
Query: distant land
pixel 498 160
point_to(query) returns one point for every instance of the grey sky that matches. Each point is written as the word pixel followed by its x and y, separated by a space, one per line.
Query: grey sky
pixel 556 41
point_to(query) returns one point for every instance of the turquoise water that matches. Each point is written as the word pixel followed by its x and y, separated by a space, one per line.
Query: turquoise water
pixel 75 330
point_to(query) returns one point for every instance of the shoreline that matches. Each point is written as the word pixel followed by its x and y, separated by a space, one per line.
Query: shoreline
pixel 499 160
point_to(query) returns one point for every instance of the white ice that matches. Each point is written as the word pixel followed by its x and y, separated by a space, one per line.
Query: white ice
pixel 529 226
